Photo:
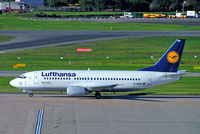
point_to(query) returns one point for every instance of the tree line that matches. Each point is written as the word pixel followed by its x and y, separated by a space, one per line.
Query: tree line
pixel 128 5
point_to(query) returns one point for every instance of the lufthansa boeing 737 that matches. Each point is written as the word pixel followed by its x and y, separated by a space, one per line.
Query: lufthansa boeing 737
pixel 79 82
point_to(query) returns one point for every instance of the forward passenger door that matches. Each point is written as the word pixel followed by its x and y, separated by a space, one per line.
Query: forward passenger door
pixel 36 78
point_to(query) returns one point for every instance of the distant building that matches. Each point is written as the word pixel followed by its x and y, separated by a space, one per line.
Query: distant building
pixel 32 2
pixel 7 6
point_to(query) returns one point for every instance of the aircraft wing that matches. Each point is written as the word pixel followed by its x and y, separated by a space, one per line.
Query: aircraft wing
pixel 101 87
pixel 96 86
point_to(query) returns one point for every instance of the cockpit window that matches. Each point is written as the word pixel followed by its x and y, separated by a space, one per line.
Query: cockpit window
pixel 22 77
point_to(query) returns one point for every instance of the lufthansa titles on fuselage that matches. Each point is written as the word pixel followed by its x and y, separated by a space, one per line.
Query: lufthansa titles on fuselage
pixel 45 74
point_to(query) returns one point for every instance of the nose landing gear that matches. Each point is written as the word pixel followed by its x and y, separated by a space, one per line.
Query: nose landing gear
pixel 30 93
pixel 98 95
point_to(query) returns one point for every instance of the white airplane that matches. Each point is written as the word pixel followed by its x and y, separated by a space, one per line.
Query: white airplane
pixel 82 82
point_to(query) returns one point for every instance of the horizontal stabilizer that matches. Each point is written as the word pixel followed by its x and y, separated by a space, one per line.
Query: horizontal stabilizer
pixel 181 71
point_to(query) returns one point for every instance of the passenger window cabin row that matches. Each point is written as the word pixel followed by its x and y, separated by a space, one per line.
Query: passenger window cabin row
pixel 126 79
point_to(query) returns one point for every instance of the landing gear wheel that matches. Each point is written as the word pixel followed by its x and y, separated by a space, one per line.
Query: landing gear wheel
pixel 30 94
pixel 98 95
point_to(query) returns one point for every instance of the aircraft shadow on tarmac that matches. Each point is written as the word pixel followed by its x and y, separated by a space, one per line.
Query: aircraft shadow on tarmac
pixel 107 97
pixel 131 97
pixel 156 98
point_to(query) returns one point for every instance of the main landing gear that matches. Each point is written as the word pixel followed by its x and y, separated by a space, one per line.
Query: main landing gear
pixel 30 94
pixel 98 95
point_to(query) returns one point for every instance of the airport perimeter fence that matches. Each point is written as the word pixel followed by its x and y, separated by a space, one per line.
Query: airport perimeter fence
pixel 81 14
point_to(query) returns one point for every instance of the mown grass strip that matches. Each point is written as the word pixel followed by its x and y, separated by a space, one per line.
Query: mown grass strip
pixel 17 23
pixel 118 54
pixel 6 38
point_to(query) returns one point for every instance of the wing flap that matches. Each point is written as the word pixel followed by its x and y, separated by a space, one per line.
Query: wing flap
pixel 95 86
pixel 101 87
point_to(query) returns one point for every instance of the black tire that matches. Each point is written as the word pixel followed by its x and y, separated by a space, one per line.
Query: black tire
pixel 98 95
pixel 30 94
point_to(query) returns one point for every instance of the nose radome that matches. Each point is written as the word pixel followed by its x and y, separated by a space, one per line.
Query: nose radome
pixel 13 83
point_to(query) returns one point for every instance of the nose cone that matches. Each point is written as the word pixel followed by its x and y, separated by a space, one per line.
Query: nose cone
pixel 13 83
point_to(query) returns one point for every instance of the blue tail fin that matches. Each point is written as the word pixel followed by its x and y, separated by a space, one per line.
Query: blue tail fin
pixel 169 62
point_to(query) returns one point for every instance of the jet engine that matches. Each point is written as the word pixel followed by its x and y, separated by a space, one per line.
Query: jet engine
pixel 77 91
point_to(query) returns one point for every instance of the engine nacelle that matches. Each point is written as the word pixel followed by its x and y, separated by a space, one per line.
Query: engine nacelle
pixel 76 91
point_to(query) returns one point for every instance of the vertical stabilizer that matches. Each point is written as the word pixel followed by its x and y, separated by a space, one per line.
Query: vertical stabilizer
pixel 169 62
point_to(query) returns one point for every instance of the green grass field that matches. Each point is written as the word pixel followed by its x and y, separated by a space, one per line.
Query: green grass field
pixel 19 23
pixel 6 38
pixel 118 54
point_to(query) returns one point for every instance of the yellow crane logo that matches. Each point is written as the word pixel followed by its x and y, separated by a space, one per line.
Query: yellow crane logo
pixel 173 57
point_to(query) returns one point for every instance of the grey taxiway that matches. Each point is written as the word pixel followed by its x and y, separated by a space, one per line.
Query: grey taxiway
pixel 110 115
pixel 37 39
